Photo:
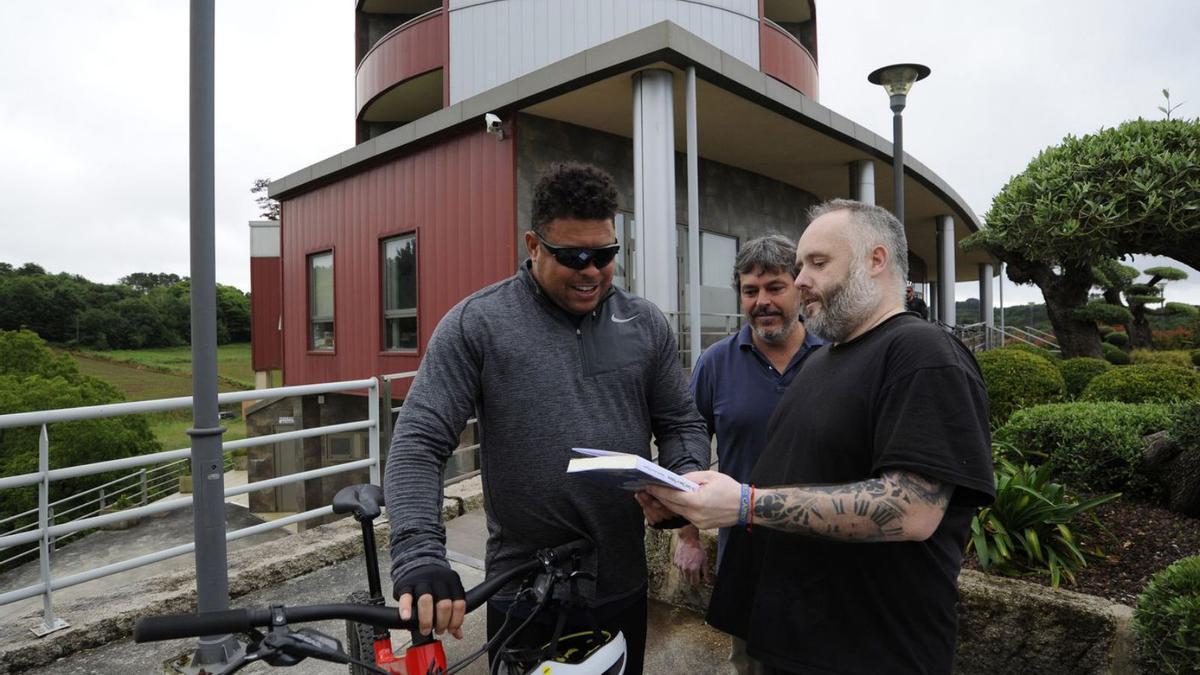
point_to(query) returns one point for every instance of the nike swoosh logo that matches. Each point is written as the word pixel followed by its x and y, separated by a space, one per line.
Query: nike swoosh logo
pixel 617 320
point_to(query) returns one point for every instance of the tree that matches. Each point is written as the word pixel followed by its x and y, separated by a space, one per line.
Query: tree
pixel 1123 294
pixel 143 282
pixel 1130 189
pixel 267 208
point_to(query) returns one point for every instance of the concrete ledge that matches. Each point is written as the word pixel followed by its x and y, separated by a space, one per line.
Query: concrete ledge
pixel 109 614
pixel 1005 625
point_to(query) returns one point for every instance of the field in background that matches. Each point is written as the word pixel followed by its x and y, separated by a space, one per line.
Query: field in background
pixel 233 362
pixel 166 373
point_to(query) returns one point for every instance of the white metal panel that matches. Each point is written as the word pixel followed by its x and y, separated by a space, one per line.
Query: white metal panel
pixel 496 41
pixel 264 239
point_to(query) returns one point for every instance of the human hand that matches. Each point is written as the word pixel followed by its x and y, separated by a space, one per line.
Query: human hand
pixel 654 510
pixel 441 602
pixel 715 504
pixel 690 557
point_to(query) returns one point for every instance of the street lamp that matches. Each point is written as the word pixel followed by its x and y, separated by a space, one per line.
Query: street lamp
pixel 896 80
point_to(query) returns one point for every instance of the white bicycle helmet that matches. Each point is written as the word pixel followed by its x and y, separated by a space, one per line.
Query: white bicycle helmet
pixel 581 654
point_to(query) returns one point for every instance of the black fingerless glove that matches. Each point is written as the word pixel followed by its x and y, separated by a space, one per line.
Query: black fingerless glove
pixel 439 581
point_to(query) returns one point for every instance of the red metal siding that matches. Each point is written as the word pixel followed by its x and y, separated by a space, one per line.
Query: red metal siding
pixel 457 196
pixel 410 50
pixel 266 306
pixel 785 59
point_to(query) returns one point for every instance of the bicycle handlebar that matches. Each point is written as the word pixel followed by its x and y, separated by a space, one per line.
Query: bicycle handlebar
pixel 170 627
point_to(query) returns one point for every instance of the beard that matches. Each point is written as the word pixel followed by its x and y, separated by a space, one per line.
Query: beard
pixel 843 306
pixel 788 323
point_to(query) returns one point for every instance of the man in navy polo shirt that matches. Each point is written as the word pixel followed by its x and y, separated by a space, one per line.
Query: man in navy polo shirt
pixel 738 381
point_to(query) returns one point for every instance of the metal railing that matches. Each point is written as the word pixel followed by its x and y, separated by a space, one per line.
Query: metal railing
pixel 48 530
pixel 980 336
pixel 138 488
pixel 713 327
pixel 465 456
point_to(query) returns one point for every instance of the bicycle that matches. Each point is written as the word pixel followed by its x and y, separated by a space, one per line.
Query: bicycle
pixel 368 619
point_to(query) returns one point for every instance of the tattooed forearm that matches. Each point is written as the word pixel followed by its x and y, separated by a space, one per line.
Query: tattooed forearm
pixel 897 506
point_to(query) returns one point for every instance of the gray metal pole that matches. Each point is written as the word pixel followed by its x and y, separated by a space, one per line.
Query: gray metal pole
pixel 693 183
pixel 1002 302
pixel 897 104
pixel 208 505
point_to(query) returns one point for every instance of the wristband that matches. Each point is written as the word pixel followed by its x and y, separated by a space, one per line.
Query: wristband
pixel 750 511
pixel 744 505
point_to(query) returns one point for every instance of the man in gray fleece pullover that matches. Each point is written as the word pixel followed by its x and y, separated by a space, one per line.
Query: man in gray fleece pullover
pixel 549 359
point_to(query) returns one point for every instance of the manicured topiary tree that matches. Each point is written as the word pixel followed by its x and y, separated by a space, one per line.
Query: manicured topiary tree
pixel 1114 355
pixel 1095 447
pixel 1117 339
pixel 1167 620
pixel 1144 383
pixel 1078 372
pixel 1130 189
pixel 1017 379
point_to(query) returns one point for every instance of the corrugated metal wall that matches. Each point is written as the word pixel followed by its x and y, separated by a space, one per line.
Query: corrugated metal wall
pixel 494 42
pixel 457 196
pixel 266 306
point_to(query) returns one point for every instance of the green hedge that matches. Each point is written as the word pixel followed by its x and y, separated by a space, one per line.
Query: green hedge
pixel 1167 619
pixel 1117 339
pixel 1145 383
pixel 1185 425
pixel 1171 357
pixel 1196 358
pixel 1078 372
pixel 1114 355
pixel 1094 447
pixel 1050 356
pixel 1017 379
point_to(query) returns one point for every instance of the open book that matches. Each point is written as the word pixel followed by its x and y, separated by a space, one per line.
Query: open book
pixel 623 470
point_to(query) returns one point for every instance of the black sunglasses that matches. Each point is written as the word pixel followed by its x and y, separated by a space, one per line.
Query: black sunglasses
pixel 579 258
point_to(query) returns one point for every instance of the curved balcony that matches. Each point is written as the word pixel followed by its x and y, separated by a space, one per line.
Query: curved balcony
pixel 413 49
pixel 785 59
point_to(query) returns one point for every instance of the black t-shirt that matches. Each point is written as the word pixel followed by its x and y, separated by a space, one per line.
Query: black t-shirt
pixel 905 395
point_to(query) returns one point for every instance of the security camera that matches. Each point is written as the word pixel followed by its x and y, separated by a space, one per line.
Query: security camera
pixel 493 125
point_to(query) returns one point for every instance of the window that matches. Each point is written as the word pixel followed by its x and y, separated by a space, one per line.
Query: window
pixel 400 293
pixel 718 253
pixel 320 301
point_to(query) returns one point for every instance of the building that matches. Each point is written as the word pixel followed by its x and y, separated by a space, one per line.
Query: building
pixel 376 243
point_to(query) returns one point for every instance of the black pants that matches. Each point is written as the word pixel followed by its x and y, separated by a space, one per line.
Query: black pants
pixel 628 616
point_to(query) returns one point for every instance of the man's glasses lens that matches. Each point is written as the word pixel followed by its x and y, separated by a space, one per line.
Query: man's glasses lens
pixel 580 258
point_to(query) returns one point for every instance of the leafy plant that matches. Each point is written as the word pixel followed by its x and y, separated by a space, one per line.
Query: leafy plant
pixel 1114 355
pixel 1185 425
pixel 1144 383
pixel 1196 357
pixel 1017 379
pixel 1167 619
pixel 1078 372
pixel 1027 529
pixel 1117 339
pixel 1173 357
pixel 1092 446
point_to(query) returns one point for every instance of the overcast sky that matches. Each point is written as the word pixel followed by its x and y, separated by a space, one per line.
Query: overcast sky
pixel 94 101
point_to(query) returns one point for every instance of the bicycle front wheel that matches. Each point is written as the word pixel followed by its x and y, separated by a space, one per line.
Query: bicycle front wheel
pixel 360 637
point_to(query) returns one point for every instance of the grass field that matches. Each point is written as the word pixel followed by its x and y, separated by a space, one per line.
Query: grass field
pixel 233 362
pixel 166 373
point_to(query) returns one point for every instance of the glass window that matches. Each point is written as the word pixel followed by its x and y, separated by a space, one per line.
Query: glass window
pixel 400 293
pixel 320 301
pixel 718 253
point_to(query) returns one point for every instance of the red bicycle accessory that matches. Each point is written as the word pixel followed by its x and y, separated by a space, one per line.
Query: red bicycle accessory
pixel 426 659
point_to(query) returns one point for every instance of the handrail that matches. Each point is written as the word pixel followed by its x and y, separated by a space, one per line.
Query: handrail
pixel 49 529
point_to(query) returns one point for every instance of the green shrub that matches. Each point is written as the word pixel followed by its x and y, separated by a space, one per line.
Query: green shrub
pixel 1105 330
pixel 1114 355
pixel 1173 357
pixel 1052 357
pixel 1093 447
pixel 1185 425
pixel 1196 358
pixel 1079 371
pixel 1027 529
pixel 1017 379
pixel 1145 383
pixel 1167 619
pixel 1117 339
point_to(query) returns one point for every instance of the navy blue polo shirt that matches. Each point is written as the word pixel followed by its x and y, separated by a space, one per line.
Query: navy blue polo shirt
pixel 736 390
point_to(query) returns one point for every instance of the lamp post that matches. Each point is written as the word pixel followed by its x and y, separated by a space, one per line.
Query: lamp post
pixel 896 80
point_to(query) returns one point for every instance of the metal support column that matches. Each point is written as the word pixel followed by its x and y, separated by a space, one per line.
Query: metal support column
pixel 946 267
pixel 862 181
pixel 693 191
pixel 986 310
pixel 49 622
pixel 208 470
pixel 1002 301
pixel 654 187
pixel 373 432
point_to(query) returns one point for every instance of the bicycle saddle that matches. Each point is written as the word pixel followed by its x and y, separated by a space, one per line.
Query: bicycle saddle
pixel 361 500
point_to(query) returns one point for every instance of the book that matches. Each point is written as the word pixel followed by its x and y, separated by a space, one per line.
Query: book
pixel 629 472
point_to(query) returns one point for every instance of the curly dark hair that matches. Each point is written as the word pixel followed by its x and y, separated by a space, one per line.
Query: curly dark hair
pixel 572 190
